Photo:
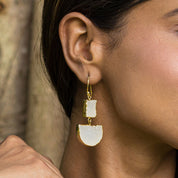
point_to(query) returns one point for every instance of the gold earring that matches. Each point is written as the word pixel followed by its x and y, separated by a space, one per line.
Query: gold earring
pixel 88 134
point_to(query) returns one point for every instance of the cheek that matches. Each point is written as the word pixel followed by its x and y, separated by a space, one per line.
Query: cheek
pixel 157 63
pixel 144 84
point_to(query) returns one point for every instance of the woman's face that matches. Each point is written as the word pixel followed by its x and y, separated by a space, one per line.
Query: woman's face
pixel 142 73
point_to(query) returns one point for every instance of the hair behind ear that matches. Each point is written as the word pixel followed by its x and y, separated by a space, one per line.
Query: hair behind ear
pixel 105 14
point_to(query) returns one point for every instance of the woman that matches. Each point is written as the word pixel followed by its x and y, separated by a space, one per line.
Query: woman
pixel 130 51
pixel 127 50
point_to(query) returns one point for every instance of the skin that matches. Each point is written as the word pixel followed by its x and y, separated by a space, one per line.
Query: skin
pixel 17 159
pixel 136 85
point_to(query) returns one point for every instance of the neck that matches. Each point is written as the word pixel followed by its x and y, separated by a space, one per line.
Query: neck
pixel 124 151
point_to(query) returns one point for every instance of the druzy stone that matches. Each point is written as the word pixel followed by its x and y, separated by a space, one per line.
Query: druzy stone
pixel 89 108
pixel 89 135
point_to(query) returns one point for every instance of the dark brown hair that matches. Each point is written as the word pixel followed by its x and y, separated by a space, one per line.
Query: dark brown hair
pixel 105 14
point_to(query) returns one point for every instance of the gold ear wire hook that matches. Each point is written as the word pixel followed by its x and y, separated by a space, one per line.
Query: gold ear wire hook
pixel 89 89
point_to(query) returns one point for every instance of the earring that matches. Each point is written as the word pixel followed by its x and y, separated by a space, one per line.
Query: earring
pixel 88 134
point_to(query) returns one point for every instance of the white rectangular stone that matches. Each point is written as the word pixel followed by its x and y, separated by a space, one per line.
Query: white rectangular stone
pixel 89 109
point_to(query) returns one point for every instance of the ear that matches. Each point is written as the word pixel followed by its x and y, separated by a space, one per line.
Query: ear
pixel 82 46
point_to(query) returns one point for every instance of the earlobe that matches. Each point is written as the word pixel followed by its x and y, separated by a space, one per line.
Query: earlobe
pixel 76 33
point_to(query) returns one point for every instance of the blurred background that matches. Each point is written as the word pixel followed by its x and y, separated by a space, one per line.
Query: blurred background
pixel 29 107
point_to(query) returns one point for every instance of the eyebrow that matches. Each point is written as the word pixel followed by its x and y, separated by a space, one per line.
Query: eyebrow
pixel 171 13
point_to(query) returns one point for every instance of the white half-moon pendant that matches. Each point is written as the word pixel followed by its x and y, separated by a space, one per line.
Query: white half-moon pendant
pixel 89 135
